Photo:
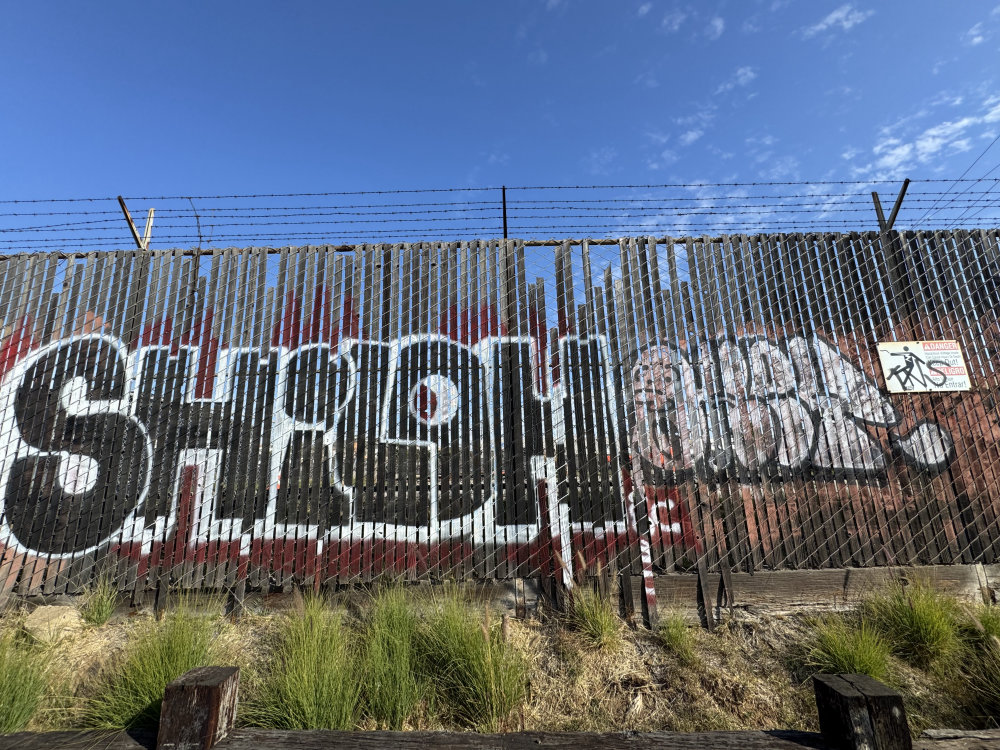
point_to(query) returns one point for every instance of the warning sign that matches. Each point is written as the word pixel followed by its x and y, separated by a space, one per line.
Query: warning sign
pixel 910 366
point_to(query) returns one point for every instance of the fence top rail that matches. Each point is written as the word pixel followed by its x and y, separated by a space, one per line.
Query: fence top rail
pixel 554 243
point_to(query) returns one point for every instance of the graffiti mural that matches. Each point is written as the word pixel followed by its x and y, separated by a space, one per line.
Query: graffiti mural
pixel 99 437
pixel 754 408
pixel 313 417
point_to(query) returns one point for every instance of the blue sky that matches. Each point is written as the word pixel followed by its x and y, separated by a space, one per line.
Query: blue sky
pixel 186 98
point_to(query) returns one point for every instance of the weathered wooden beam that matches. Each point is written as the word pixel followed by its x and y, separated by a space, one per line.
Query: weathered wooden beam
pixel 857 712
pixel 199 709
pixel 264 739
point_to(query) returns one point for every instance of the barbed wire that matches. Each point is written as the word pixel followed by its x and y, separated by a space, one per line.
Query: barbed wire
pixel 532 212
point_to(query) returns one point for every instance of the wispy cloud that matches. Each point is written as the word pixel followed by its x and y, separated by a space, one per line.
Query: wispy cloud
pixel 899 150
pixel 657 136
pixel 976 35
pixel 715 27
pixel 644 9
pixel 673 21
pixel 782 168
pixel 741 77
pixel 664 159
pixel 538 57
pixel 843 18
pixel 701 118
pixel 690 136
pixel 647 79
pixel 601 161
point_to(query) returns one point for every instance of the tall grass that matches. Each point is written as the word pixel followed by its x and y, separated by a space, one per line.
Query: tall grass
pixel 674 635
pixel 100 602
pixel 595 618
pixel 160 652
pixel 920 623
pixel 979 667
pixel 313 682
pixel 840 648
pixel 479 677
pixel 23 680
pixel 392 686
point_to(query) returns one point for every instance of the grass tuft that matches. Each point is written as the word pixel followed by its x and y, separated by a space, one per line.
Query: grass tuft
pixel 160 652
pixel 981 670
pixel 313 682
pixel 988 619
pixel 100 602
pixel 24 671
pixel 392 687
pixel 479 677
pixel 675 636
pixel 920 623
pixel 595 618
pixel 840 648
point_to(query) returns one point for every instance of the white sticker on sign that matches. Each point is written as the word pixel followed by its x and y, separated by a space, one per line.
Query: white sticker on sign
pixel 912 366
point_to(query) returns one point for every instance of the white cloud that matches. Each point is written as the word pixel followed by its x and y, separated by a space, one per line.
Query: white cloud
pixel 975 35
pixel 552 4
pixel 741 77
pixel 896 152
pixel 691 136
pixel 644 9
pixel 673 20
pixel 845 17
pixel 715 28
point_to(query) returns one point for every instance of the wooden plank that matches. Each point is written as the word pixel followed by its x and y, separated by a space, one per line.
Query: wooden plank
pixel 484 465
pixel 396 466
pixel 897 541
pixel 255 739
pixel 625 553
pixel 855 326
pixel 235 415
pixel 431 313
pixel 354 279
pixel 960 490
pixel 816 266
pixel 111 739
pixel 466 465
pixel 263 739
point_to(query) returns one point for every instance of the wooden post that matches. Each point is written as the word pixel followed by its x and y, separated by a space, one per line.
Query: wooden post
pixel 857 712
pixel 199 709
pixel 237 597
